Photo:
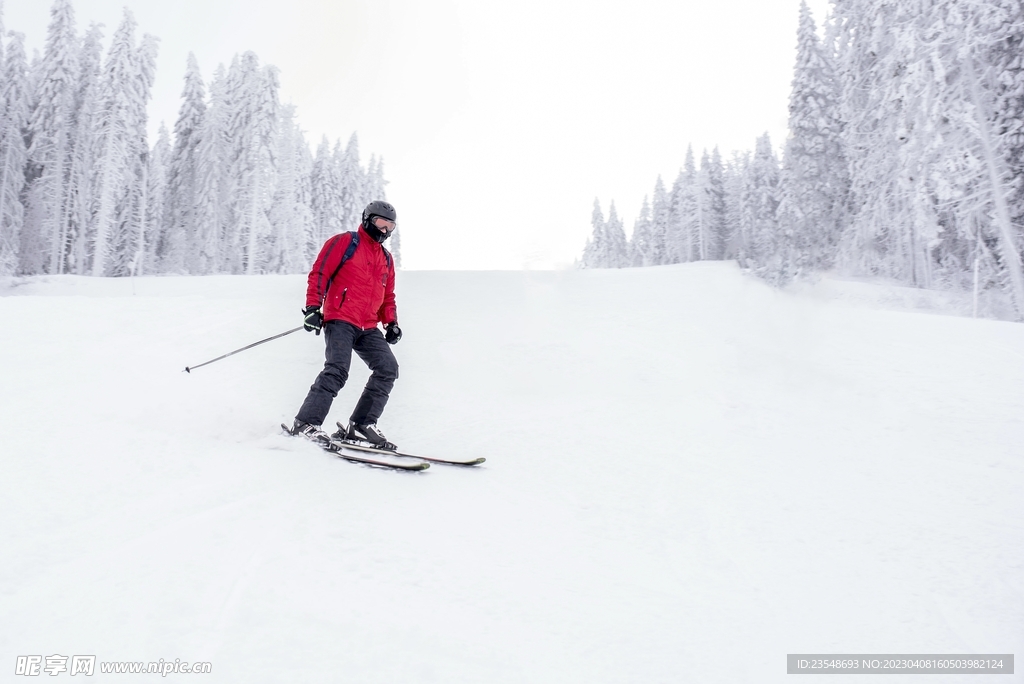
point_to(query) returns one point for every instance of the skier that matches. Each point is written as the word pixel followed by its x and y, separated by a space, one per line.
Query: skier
pixel 351 288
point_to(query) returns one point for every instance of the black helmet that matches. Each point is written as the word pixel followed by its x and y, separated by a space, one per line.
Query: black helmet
pixel 382 209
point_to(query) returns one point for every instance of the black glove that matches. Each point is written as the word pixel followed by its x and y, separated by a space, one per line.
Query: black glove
pixel 393 333
pixel 312 319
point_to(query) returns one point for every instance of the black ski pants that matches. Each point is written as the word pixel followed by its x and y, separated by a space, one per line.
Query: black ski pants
pixel 342 339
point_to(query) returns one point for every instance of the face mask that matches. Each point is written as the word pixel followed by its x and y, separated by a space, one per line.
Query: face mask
pixel 380 228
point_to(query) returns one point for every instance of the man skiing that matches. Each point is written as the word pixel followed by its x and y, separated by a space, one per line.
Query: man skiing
pixel 351 288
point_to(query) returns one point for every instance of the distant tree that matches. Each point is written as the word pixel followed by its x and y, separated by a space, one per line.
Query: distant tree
pixel 235 191
pixel 156 217
pixel 678 209
pixel 760 210
pixel 735 174
pixel 688 209
pixel 135 234
pixel 325 197
pixel 14 116
pixel 78 208
pixel 926 147
pixel 355 194
pixel 998 31
pixel 183 235
pixel 44 238
pixel 660 228
pixel 250 119
pixel 291 221
pixel 1005 26
pixel 712 201
pixel 617 248
pixel 641 243
pixel 595 252
pixel 213 189
pixel 814 183
pixel 121 150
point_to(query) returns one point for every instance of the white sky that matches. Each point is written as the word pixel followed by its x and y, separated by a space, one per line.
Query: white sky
pixel 498 122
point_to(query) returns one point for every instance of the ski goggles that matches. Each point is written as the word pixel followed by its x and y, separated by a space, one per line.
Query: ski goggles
pixel 381 223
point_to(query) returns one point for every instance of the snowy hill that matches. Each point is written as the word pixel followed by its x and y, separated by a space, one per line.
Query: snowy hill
pixel 689 476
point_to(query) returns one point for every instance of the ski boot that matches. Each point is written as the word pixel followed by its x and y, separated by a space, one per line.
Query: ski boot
pixel 311 432
pixel 364 433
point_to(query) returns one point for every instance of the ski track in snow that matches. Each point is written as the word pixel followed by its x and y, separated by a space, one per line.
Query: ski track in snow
pixel 689 476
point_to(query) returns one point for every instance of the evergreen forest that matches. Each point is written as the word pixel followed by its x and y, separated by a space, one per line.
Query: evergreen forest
pixel 234 188
pixel 904 160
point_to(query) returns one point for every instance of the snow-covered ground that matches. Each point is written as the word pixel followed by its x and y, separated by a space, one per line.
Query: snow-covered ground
pixel 689 476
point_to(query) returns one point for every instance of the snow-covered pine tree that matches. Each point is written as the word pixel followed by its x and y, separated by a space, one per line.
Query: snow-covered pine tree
pixel 325 197
pixel 616 246
pixel 44 235
pixel 291 221
pixel 304 195
pixel 891 87
pixel 253 106
pixel 640 243
pixel 1006 55
pixel 133 232
pixel 183 233
pixel 992 30
pixel 266 116
pixel 79 204
pixel 660 228
pixel 595 249
pixel 3 35
pixel 702 227
pixel 236 158
pixel 156 219
pixel 813 184
pixel 941 161
pixel 674 250
pixel 688 210
pixel 212 187
pixel 735 172
pixel 114 148
pixel 354 193
pixel 928 178
pixel 712 200
pixel 15 110
pixel 760 207
pixel 375 178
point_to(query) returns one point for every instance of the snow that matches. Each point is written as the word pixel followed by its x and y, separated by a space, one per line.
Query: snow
pixel 689 476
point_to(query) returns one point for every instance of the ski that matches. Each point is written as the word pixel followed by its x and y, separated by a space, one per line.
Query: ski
pixel 362 448
pixel 366 447
pixel 336 449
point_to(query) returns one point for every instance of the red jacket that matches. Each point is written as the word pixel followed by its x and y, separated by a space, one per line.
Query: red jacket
pixel 363 291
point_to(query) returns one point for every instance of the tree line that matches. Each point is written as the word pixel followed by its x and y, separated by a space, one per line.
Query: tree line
pixel 905 159
pixel 234 189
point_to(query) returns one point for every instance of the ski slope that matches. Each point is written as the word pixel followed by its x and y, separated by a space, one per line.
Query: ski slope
pixel 689 476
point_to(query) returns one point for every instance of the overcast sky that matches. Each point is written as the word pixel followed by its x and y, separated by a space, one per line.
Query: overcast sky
pixel 499 123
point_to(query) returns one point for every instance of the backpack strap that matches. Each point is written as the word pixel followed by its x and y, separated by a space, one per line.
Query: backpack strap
pixel 349 251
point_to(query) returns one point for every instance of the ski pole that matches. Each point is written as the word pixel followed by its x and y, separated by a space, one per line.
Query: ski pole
pixel 189 369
